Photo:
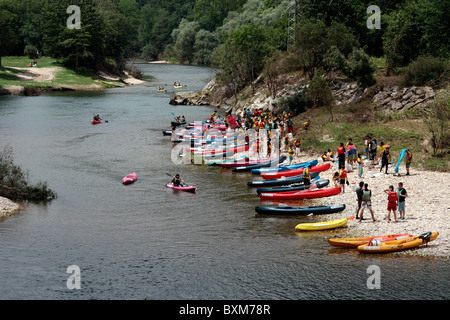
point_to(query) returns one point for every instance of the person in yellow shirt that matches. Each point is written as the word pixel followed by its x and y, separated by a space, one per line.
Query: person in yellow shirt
pixel 307 177
pixel 291 154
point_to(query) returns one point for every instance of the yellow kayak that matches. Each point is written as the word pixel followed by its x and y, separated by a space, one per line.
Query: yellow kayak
pixel 178 87
pixel 323 225
pixel 397 245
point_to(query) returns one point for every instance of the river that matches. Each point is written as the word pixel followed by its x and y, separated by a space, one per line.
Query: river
pixel 145 241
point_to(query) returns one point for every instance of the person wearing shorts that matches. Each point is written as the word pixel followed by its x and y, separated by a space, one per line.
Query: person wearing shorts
pixel 392 203
pixel 366 202
pixel 402 194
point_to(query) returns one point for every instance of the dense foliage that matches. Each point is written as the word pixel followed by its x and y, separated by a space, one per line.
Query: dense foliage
pixel 332 35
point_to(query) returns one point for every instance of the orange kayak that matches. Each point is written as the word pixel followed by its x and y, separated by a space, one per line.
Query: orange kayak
pixel 95 121
pixel 397 245
pixel 355 242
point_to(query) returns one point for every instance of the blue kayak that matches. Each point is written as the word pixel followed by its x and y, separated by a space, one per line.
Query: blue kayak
pixel 284 168
pixel 305 210
pixel 281 181
pixel 318 183
pixel 261 164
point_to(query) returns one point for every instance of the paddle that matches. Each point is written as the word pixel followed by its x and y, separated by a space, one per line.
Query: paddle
pixel 100 118
pixel 174 178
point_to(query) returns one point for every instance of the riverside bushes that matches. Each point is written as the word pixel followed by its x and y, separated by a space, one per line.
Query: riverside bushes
pixel 423 70
pixel 14 183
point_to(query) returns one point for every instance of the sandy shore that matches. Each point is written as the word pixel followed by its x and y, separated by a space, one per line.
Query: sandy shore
pixel 427 206
pixel 8 207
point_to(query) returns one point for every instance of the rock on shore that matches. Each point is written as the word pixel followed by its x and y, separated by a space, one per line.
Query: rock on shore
pixel 8 207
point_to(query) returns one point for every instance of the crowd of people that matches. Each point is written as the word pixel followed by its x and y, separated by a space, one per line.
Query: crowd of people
pixel 395 201
pixel 267 120
pixel 348 156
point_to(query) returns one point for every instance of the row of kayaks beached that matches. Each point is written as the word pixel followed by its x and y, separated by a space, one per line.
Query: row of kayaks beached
pixel 386 243
pixel 278 182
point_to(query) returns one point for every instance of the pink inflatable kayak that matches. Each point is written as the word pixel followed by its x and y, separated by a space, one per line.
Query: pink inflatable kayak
pixel 132 177
pixel 186 188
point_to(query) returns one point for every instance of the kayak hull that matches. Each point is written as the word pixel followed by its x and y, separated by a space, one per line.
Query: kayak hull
pixel 356 242
pixel 294 187
pixel 280 182
pixel 259 171
pixel 186 188
pixel 95 121
pixel 129 179
pixel 322 225
pixel 399 245
pixel 264 163
pixel 300 195
pixel 300 211
pixel 294 172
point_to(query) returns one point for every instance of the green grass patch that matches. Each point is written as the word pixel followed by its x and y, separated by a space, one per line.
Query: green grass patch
pixel 63 77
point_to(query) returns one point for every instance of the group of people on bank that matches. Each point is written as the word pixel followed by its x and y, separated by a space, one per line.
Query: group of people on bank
pixel 396 201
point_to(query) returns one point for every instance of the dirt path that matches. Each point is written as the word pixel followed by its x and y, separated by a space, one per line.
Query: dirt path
pixel 36 74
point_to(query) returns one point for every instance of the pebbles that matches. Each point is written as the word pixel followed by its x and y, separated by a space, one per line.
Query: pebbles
pixel 427 206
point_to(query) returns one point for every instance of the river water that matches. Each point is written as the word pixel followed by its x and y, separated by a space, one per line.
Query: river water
pixel 145 241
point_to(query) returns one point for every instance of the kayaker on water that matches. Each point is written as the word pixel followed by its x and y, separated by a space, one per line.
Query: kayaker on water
pixel 178 182
pixel 97 118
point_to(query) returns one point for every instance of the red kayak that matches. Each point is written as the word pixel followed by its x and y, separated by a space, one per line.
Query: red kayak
pixel 95 121
pixel 132 177
pixel 300 195
pixel 179 188
pixel 294 172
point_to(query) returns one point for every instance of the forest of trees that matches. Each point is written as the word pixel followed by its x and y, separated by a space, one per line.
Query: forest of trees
pixel 240 37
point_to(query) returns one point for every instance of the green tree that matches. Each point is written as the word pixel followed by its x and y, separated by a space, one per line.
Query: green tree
pixel 358 67
pixel 205 42
pixel 244 53
pixel 184 37
pixel 7 35
pixel 319 93
pixel 211 13
pixel 437 120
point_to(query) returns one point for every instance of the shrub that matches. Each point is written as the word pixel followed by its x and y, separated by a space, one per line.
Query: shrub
pixel 437 120
pixel 14 183
pixel 358 67
pixel 31 51
pixel 423 70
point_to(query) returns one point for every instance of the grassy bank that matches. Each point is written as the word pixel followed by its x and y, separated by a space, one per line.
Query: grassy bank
pixel 61 77
pixel 348 122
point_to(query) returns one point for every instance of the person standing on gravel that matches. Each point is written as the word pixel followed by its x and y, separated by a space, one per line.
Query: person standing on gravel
pixel 366 202
pixel 402 194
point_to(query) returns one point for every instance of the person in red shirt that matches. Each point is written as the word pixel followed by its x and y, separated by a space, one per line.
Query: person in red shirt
pixel 341 156
pixel 392 203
